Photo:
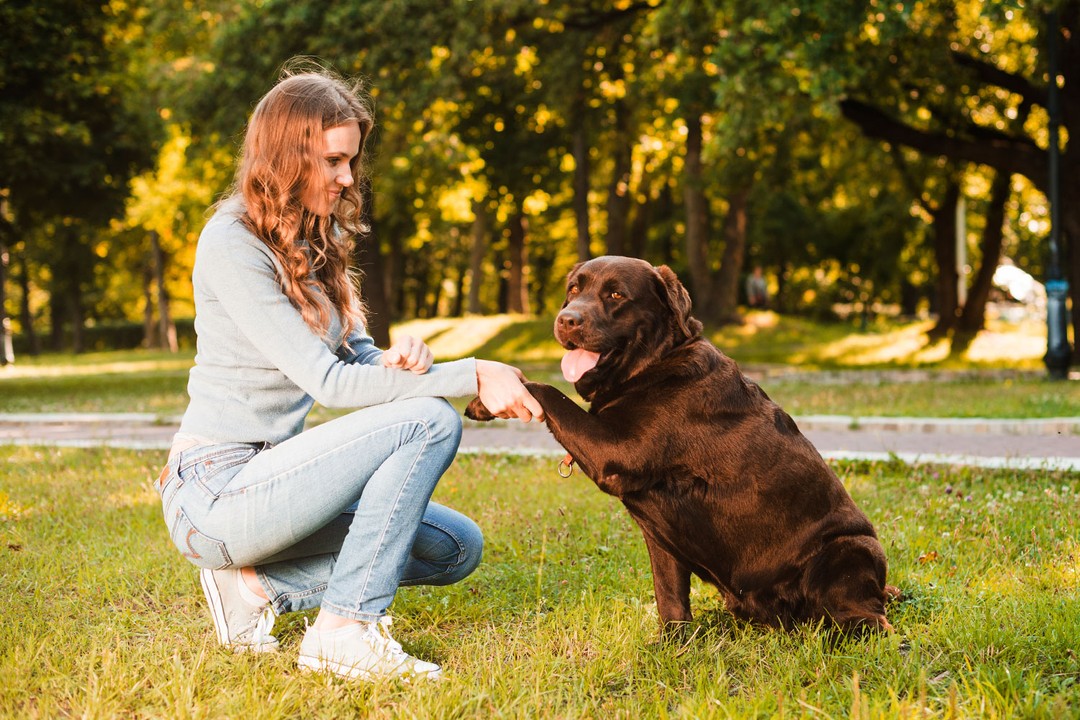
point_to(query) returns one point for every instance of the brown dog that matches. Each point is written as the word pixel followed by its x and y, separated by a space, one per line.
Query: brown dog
pixel 718 477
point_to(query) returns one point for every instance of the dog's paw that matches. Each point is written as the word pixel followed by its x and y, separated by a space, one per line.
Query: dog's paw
pixel 476 410
pixel 676 633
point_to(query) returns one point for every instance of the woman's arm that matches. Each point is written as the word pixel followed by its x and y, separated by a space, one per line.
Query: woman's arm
pixel 236 271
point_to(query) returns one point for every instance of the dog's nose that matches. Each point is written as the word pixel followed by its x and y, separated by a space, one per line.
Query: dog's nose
pixel 568 319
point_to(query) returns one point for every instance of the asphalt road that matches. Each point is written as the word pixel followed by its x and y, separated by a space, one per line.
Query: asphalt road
pixel 1051 444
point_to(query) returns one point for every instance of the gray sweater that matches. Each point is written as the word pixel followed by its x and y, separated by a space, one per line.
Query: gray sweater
pixel 259 368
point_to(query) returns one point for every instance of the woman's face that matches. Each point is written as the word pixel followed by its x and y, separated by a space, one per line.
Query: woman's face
pixel 340 145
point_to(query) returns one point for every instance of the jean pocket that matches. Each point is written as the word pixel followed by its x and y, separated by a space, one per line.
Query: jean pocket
pixel 212 467
pixel 168 483
pixel 201 549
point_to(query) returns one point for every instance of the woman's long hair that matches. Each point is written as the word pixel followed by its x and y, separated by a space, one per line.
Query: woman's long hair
pixel 281 158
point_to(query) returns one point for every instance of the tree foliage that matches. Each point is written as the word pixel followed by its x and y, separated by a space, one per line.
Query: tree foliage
pixel 824 141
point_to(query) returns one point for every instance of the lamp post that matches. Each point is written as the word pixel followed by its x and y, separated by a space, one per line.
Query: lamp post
pixel 1058 352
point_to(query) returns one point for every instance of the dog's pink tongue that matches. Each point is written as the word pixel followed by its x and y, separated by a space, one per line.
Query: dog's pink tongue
pixel 578 362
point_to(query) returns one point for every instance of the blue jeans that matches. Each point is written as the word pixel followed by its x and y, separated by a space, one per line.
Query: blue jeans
pixel 336 517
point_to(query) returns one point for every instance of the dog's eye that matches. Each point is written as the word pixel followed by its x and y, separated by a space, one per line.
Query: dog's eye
pixel 616 295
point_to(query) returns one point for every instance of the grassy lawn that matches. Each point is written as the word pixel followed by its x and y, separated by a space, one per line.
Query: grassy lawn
pixel 1000 376
pixel 105 619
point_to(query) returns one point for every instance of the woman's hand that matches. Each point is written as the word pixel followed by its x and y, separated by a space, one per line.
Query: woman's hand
pixel 408 353
pixel 502 391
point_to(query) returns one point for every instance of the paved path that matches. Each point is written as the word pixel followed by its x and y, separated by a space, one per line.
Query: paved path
pixel 1049 443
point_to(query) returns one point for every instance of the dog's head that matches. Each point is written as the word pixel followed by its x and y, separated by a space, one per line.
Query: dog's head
pixel 621 314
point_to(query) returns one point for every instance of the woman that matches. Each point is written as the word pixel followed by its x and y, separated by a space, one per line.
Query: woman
pixel 338 516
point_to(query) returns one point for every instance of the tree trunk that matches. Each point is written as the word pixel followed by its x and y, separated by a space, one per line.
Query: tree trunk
pixel 478 235
pixel 1070 255
pixel 436 300
pixel 780 301
pixel 581 187
pixel 373 291
pixel 56 318
pixel 973 316
pixel 663 214
pixel 166 326
pixel 26 317
pixel 944 233
pixel 517 299
pixel 72 262
pixel 540 273
pixel 77 313
pixel 618 199
pixel 638 235
pixel 725 300
pixel 457 308
pixel 503 294
pixel 697 230
pixel 7 351
pixel 149 326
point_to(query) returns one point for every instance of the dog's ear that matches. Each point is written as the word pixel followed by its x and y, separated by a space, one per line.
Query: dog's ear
pixel 679 301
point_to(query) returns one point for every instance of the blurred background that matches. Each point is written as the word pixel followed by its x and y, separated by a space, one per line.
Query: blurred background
pixel 833 160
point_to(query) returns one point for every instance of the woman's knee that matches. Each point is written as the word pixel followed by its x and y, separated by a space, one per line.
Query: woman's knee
pixel 472 541
pixel 448 547
pixel 439 417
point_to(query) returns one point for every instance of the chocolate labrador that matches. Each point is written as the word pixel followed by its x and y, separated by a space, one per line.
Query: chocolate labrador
pixel 719 478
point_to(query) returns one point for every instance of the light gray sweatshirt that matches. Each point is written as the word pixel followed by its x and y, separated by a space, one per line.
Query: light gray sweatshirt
pixel 259 367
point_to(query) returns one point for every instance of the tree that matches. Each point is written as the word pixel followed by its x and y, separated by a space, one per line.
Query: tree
pixel 70 137
pixel 993 73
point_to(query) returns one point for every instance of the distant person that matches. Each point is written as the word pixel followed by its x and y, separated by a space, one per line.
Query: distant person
pixel 757 292
pixel 338 516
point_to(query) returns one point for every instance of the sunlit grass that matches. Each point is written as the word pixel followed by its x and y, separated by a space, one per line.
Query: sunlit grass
pixel 105 619
pixel 766 337
pixel 155 382
pixel 457 337
pixel 96 363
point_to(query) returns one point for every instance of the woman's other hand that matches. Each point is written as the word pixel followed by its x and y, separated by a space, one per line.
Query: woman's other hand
pixel 408 353
pixel 502 391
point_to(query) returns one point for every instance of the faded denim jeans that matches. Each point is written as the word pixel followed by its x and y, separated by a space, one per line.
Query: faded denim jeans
pixel 336 517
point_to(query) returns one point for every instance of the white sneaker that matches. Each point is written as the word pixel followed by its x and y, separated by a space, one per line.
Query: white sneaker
pixel 239 624
pixel 365 650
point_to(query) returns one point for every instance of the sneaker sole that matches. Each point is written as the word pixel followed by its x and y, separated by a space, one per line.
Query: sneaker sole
pixel 217 612
pixel 315 664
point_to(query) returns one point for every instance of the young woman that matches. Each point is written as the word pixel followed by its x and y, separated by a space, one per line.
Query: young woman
pixel 337 516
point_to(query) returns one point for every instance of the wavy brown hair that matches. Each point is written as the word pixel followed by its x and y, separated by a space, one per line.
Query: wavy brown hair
pixel 281 158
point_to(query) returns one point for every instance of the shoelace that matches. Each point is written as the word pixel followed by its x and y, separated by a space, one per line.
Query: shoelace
pixel 381 635
pixel 264 626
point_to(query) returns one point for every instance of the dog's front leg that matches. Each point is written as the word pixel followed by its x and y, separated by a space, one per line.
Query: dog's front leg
pixel 671 585
pixel 593 442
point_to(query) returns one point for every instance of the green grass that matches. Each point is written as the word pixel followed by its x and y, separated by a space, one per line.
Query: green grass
pixel 1019 397
pixel 1008 382
pixel 105 619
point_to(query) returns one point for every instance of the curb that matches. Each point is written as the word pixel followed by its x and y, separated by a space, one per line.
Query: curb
pixel 959 426
pixel 88 419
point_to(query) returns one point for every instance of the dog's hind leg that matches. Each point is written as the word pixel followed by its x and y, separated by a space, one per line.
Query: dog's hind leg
pixel 849 581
